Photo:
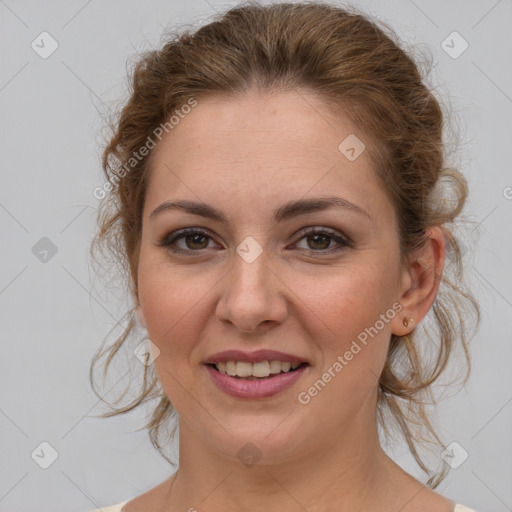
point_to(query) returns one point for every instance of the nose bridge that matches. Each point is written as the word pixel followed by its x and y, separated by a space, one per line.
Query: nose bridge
pixel 251 275
pixel 251 294
pixel 250 265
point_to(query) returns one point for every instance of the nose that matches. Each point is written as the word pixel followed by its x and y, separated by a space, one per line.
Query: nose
pixel 252 297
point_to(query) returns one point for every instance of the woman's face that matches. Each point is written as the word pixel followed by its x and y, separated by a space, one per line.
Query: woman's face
pixel 292 256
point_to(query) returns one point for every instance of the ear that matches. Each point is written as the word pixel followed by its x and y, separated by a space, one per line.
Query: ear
pixel 420 281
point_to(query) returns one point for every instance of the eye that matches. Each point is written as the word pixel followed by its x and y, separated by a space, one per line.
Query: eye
pixel 322 240
pixel 312 239
pixel 187 241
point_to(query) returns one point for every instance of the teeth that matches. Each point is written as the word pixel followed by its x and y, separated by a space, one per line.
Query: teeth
pixel 285 367
pixel 275 366
pixel 230 368
pixel 262 369
pixel 243 369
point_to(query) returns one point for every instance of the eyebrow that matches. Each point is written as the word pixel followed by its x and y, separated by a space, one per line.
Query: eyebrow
pixel 285 212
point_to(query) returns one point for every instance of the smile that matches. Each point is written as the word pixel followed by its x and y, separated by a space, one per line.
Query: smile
pixel 259 370
pixel 251 386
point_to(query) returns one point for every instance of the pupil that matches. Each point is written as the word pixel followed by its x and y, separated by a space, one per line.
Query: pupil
pixel 193 239
pixel 317 239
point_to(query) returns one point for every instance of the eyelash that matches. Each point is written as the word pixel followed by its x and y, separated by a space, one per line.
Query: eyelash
pixel 342 240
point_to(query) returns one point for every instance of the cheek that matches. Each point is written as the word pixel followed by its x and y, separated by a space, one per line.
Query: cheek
pixel 355 314
pixel 168 300
pixel 354 311
pixel 172 308
pixel 352 300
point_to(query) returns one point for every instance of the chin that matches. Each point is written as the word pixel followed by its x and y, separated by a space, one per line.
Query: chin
pixel 254 440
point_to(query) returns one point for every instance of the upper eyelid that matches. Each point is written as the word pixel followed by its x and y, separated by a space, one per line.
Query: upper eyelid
pixel 180 233
pixel 300 234
pixel 321 229
pixel 302 231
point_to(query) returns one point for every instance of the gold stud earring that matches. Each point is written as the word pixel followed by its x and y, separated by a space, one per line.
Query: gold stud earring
pixel 407 322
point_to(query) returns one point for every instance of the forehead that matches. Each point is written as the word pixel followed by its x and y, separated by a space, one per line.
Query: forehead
pixel 266 146
pixel 277 122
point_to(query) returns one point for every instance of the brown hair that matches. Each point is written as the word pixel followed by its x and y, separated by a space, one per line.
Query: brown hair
pixel 360 69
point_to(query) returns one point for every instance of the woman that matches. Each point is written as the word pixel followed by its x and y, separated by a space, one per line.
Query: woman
pixel 278 193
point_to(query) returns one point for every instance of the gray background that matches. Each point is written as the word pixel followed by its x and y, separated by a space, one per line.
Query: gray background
pixel 54 313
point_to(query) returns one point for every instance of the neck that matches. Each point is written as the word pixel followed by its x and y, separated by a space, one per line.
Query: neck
pixel 334 473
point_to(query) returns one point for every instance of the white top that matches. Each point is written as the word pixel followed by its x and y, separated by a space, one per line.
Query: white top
pixel 119 507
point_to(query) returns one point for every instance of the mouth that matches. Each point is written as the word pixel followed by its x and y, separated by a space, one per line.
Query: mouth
pixel 260 370
pixel 260 374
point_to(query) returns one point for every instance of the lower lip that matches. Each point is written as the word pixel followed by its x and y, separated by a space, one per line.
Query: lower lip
pixel 243 388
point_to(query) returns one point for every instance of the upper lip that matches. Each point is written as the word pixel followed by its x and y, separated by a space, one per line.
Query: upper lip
pixel 253 357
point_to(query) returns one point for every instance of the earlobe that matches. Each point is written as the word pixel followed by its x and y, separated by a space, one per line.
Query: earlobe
pixel 421 283
pixel 402 325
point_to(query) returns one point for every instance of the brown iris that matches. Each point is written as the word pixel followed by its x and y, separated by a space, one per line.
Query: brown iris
pixel 320 241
